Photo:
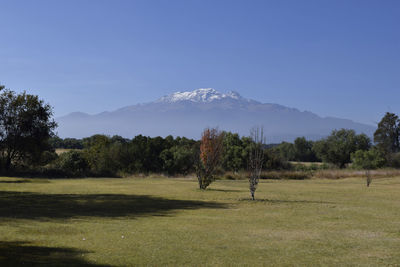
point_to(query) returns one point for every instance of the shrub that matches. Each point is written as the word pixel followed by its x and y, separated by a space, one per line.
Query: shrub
pixel 73 163
pixel 368 160
pixel 290 175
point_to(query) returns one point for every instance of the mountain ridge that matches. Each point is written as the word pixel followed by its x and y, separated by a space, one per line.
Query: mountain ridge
pixel 188 113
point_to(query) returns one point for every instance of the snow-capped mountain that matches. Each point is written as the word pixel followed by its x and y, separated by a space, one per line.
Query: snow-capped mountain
pixel 188 113
pixel 202 95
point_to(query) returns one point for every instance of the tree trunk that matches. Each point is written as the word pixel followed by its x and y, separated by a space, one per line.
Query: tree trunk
pixel 369 179
pixel 8 163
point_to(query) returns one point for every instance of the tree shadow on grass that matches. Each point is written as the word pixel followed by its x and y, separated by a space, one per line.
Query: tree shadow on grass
pixel 15 182
pixel 24 254
pixel 29 205
pixel 279 201
pixel 224 190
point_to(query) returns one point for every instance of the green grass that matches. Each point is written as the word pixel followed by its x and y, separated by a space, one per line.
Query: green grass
pixel 158 222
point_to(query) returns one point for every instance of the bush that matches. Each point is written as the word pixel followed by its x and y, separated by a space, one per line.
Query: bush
pixel 73 163
pixel 368 160
pixel 290 175
pixel 394 160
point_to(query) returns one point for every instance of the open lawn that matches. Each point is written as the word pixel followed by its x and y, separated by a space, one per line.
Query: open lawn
pixel 150 221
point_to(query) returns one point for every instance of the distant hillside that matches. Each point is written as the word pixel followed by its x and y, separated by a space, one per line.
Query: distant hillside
pixel 188 113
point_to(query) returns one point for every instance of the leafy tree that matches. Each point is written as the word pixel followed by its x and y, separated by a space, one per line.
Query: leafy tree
pixel 303 150
pixel 72 143
pixel 285 151
pixel 337 147
pixel 368 160
pixel 56 142
pixel 26 126
pixel 211 148
pixel 387 136
pixel 68 143
pixel 73 163
pixel 178 159
pixel 233 149
pixel 274 161
pixel 98 155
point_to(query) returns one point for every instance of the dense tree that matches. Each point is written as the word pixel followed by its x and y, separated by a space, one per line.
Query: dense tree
pixel 67 143
pixel 178 159
pixel 285 151
pixel 337 147
pixel 73 163
pixel 303 150
pixel 211 148
pixel 98 155
pixel 26 125
pixel 233 151
pixel 387 136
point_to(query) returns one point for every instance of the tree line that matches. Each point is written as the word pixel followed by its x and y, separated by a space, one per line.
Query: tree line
pixel 28 142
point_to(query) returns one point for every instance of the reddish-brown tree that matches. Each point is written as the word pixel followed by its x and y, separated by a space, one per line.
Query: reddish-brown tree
pixel 211 148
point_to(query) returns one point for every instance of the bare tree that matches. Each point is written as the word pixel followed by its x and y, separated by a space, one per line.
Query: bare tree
pixel 211 148
pixel 256 157
pixel 369 177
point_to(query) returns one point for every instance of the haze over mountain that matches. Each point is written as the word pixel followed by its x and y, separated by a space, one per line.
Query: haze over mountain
pixel 188 113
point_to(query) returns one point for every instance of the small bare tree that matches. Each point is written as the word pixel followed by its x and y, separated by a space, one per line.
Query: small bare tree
pixel 211 148
pixel 256 157
pixel 368 160
pixel 369 177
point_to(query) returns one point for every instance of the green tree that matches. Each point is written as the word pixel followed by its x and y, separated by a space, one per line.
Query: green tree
pixel 73 163
pixel 337 147
pixel 26 126
pixel 285 151
pixel 232 159
pixel 368 160
pixel 387 136
pixel 98 155
pixel 178 159
pixel 303 150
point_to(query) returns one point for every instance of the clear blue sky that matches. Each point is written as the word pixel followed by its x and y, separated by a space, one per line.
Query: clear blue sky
pixel 334 58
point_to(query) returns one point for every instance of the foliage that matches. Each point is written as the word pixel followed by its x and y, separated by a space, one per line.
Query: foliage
pixel 211 148
pixel 303 150
pixel 337 147
pixel 285 151
pixel 387 136
pixel 233 152
pixel 73 163
pixel 101 155
pixel 367 159
pixel 178 159
pixel 300 150
pixel 67 143
pixel 25 128
pixel 288 175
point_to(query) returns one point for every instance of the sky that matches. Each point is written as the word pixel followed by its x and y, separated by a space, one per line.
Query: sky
pixel 334 58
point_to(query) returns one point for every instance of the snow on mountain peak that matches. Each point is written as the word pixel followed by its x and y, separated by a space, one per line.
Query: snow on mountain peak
pixel 204 95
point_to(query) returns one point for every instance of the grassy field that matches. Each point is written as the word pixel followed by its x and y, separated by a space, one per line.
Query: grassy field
pixel 125 222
